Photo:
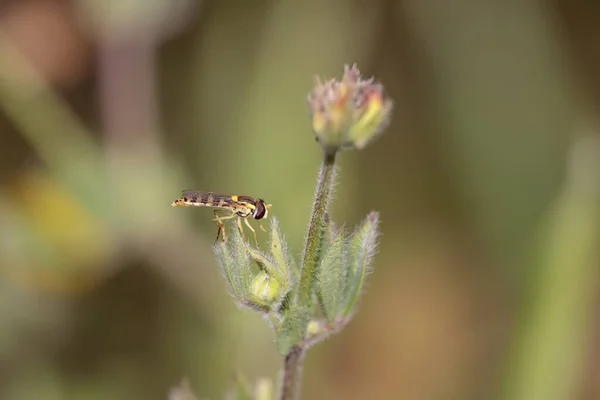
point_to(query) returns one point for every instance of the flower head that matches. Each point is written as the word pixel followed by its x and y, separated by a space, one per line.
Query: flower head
pixel 348 113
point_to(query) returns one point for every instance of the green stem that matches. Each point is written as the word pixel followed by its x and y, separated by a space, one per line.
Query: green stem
pixel 316 229
pixel 316 232
pixel 292 370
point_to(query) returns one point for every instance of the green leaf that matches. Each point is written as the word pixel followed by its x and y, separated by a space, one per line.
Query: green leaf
pixel 295 268
pixel 361 249
pixel 267 264
pixel 279 253
pixel 330 228
pixel 234 261
pixel 291 330
pixel 331 276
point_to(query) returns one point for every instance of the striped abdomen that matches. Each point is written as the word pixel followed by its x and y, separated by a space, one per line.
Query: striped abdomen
pixel 206 199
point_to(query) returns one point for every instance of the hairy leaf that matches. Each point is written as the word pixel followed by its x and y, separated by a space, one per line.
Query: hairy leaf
pixel 361 249
pixel 234 261
pixel 279 254
pixel 267 264
pixel 331 276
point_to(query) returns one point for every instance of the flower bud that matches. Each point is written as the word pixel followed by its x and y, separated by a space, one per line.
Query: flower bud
pixel 348 113
pixel 371 117
pixel 313 328
pixel 266 289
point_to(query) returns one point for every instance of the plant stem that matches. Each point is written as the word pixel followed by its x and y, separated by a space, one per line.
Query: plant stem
pixel 316 228
pixel 316 231
pixel 292 370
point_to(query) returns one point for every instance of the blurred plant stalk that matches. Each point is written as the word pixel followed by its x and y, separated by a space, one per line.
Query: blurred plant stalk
pixel 551 348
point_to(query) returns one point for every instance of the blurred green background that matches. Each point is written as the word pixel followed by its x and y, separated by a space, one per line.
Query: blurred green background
pixel 487 180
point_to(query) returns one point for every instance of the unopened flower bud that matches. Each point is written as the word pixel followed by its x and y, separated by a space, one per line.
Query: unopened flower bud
pixel 266 289
pixel 348 113
pixel 313 328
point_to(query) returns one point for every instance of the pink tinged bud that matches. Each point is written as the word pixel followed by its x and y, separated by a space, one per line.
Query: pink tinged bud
pixel 347 113
pixel 371 118
pixel 319 122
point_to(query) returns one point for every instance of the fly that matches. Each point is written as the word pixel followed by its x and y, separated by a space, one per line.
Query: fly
pixel 226 207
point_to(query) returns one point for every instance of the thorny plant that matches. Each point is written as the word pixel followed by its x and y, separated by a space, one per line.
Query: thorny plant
pixel 306 303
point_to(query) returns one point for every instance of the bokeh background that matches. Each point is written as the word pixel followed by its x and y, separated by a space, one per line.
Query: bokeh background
pixel 487 180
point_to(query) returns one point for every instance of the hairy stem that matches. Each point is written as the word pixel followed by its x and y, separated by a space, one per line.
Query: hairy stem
pixel 292 370
pixel 316 229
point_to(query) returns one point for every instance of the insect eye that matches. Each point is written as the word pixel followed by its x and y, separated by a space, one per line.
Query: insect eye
pixel 260 209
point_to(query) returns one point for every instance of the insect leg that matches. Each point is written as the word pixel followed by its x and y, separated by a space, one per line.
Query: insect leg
pixel 219 220
pixel 253 231
pixel 239 224
pixel 221 227
pixel 219 233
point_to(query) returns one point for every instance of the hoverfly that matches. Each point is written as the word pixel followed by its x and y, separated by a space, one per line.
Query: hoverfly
pixel 227 207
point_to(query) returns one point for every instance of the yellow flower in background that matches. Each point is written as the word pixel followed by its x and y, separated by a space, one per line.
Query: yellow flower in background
pixel 55 245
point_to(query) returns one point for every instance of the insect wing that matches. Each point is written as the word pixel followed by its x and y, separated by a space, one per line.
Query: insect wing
pixel 208 199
